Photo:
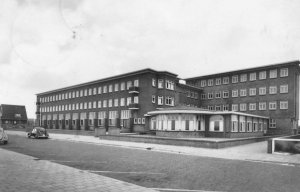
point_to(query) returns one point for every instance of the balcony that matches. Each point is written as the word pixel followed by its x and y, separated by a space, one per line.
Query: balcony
pixel 134 106
pixel 38 103
pixel 134 89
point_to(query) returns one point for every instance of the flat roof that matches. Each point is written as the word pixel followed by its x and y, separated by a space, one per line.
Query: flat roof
pixel 147 70
pixel 295 62
pixel 201 111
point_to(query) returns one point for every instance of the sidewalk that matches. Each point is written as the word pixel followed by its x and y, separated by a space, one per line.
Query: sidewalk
pixel 256 152
pixel 22 173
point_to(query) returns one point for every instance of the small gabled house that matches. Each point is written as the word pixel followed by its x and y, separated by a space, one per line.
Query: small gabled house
pixel 12 115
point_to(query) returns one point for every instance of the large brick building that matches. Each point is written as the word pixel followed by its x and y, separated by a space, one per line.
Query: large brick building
pixel 271 90
pixel 238 103
pixel 119 101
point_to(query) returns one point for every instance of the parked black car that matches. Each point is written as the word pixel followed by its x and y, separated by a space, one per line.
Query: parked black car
pixel 38 132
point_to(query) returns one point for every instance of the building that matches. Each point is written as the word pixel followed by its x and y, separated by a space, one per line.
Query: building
pixel 271 91
pixel 13 116
pixel 121 101
pixel 196 122
pixel 230 104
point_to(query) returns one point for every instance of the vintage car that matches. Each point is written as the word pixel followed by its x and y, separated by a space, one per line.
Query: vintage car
pixel 38 132
pixel 3 136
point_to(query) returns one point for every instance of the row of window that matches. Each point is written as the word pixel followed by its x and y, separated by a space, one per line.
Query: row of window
pixel 160 100
pixel 160 84
pixel 244 77
pixel 92 105
pixel 91 91
pixel 192 94
pixel 251 106
pixel 243 92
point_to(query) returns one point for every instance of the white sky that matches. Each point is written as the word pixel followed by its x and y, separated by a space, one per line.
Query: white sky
pixel 39 52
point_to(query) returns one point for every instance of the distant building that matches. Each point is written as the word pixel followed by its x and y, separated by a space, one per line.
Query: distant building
pixel 13 115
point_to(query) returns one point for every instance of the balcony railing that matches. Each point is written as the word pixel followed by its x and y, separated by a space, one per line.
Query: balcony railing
pixel 134 106
pixel 134 89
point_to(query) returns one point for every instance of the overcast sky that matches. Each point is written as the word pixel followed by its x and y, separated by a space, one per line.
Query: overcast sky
pixel 46 45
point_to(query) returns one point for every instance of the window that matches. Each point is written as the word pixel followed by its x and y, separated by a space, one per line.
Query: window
pixel 110 88
pixel 218 81
pixel 81 93
pixel 234 126
pixel 243 92
pixel 95 91
pixel 273 90
pixel 210 82
pixel 225 107
pixel 218 95
pixel 94 104
pixel 90 105
pixel 252 77
pixel 169 85
pixel 235 79
pixel 105 89
pixel 225 94
pixel 210 95
pixel 160 100
pixel 136 83
pixel 80 106
pixel 122 102
pixel 116 87
pixel 203 96
pixel 262 106
pixel 128 101
pixel 272 123
pixel 160 84
pixel 235 93
pixel 122 86
pixel 252 91
pixel 116 102
pixel 170 101
pixel 273 73
pixel 235 107
pixel 77 93
pixel 153 98
pixel 284 88
pixel 262 75
pixel 243 107
pixel 284 72
pixel 99 90
pixel 252 106
pixel 272 105
pixel 112 115
pixel 90 91
pixel 153 82
pixel 129 84
pixel 284 105
pixel 104 103
pixel 188 94
pixel 203 83
pixel 85 92
pixel 249 126
pixel 85 105
pixel 262 91
pixel 110 103
pixel 243 77
pixel 136 99
pixel 225 80
pixel 211 108
pixel 99 104
pixel 218 107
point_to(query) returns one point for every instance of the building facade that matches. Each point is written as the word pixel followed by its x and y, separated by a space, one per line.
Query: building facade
pixel 245 97
pixel 271 91
pixel 121 101
pixel 13 116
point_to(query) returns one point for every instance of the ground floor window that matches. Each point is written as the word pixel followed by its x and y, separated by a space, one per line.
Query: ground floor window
pixel 234 126
pixel 67 122
pixel 216 123
pixel 255 127
pixel 249 126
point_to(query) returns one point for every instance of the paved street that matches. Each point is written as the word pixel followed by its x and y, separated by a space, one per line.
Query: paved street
pixel 22 173
pixel 161 168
